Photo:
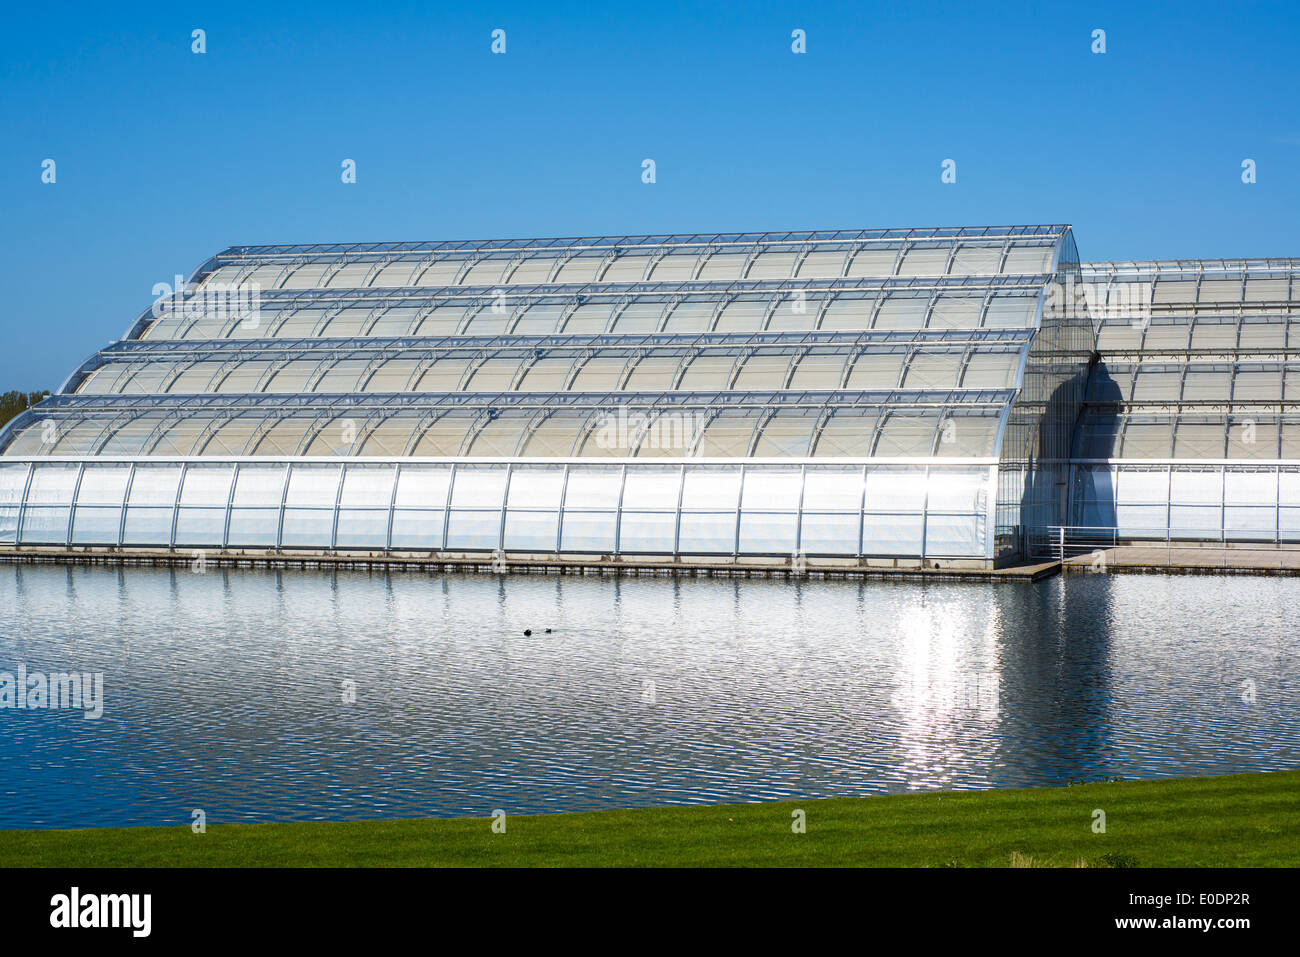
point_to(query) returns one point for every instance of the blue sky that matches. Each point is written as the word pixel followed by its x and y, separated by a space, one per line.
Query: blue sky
pixel 164 156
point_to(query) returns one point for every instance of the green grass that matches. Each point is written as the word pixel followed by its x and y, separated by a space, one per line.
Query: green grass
pixel 1244 820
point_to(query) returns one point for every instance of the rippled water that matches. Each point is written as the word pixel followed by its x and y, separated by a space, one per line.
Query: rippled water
pixel 225 691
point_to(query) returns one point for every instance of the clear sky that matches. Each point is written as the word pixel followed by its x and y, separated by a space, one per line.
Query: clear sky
pixel 164 156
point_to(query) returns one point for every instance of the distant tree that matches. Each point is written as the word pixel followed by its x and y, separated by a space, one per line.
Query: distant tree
pixel 13 402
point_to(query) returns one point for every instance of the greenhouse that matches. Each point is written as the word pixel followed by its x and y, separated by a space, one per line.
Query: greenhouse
pixel 899 397
pixel 1191 424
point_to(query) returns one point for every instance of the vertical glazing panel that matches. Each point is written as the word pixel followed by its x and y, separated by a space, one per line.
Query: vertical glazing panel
pixel 892 534
pixel 45 520
pixel 830 533
pixel 13 480
pixel 150 505
pixel 99 505
pixel 954 536
pixel 709 532
pixel 768 533
pixel 309 506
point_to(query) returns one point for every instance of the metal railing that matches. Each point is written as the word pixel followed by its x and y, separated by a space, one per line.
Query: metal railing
pixel 1071 541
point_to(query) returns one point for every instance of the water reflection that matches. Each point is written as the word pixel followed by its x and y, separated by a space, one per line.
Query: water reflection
pixel 226 690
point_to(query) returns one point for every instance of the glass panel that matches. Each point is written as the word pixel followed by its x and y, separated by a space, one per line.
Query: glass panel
pixel 846 434
pixel 906 435
pixel 769 533
pixel 833 490
pixel 895 490
pixel 954 536
pixel 479 487
pixel 902 313
pixel 588 532
pixel 647 532
pixel 708 532
pixel 536 487
pixel 651 489
pixel 769 490
pixel 710 489
pixel 892 534
pixel 878 372
pixel 727 435
pixel 828 533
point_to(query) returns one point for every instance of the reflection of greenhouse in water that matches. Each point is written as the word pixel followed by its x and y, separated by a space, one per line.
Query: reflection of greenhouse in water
pixel 845 398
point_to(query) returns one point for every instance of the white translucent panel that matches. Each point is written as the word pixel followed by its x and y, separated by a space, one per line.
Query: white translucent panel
pixel 1250 522
pixel 1137 520
pixel 80 438
pixel 771 490
pixel 960 536
pixel 555 437
pixel 389 437
pixel 418 530
pixel 393 376
pixel 546 375
pixel 846 435
pixel 769 533
pixel 653 374
pixel 1166 336
pixel 933 371
pixel 822 264
pixel 833 490
pixel 200 525
pixel 588 319
pixel 244 377
pixel 342 376
pixel 1207 386
pixel 1289 487
pixel 745 316
pixel 350 275
pixel 493 375
pixel 393 321
pixel 224 275
pixel 197 377
pixel 579 269
pixel 131 437
pixel 532 531
pixel 906 435
pixel 872 263
pixel 763 373
pixel 307 527
pixel 971 260
pixel 626 269
pixel 594 489
pixel 13 479
pixel 707 374
pixel 442 321
pixel 818 372
pixel 1195 521
pixel 955 312
pixel 1010 313
pixel 848 314
pixel 1211 336
pixel 538 321
pixel 785 435
pixel 474 531
pixel 991 370
pixel 155 485
pixel 610 434
pixel 1147 441
pixel 925 261
pixel 96 525
pixel 727 435
pixel 1152 386
pixel 306 276
pixel 103 485
pixel 675 267
pixel 536 487
pixel 440 272
pixel 251 527
pixel 294 324
pixel 422 486
pixel 691 316
pixel 1028 260
pixel 52 485
pixel 1142 487
pixel 724 266
pixel 710 489
pixel 207 485
pixel 259 485
pixel 1250 488
pixel 336 437
pixel 639 317
pixel 892 534
pixel 902 313
pixel 953 490
pixel 485 272
pixel 28 441
pixel 1251 439
pixel 588 532
pixel 105 381
pixel 828 533
pixel 446 375
pixel 1119 337
pixel 1267 290
pixel 44 524
pixel 1170 290
pixel 1195 487
pixel 794 313
pixel 486 322
pixel 647 532
pixel 1194 440
pixel 499 438
pixel 967 436
pixel 312 486
pixel 177 438
pixel 352 321
pixel 1262 334
pixel 479 487
pixel 773 265
pixel 709 533
pixel 367 487
pixel 649 489
pixel 895 490
pixel 362 528
pixel 600 374
pixel 293 376
pixel 395 274
pixel 532 271
pixel 671 433
pixel 286 437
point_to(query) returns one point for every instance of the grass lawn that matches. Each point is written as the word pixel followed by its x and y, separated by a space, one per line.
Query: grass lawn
pixel 1242 820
